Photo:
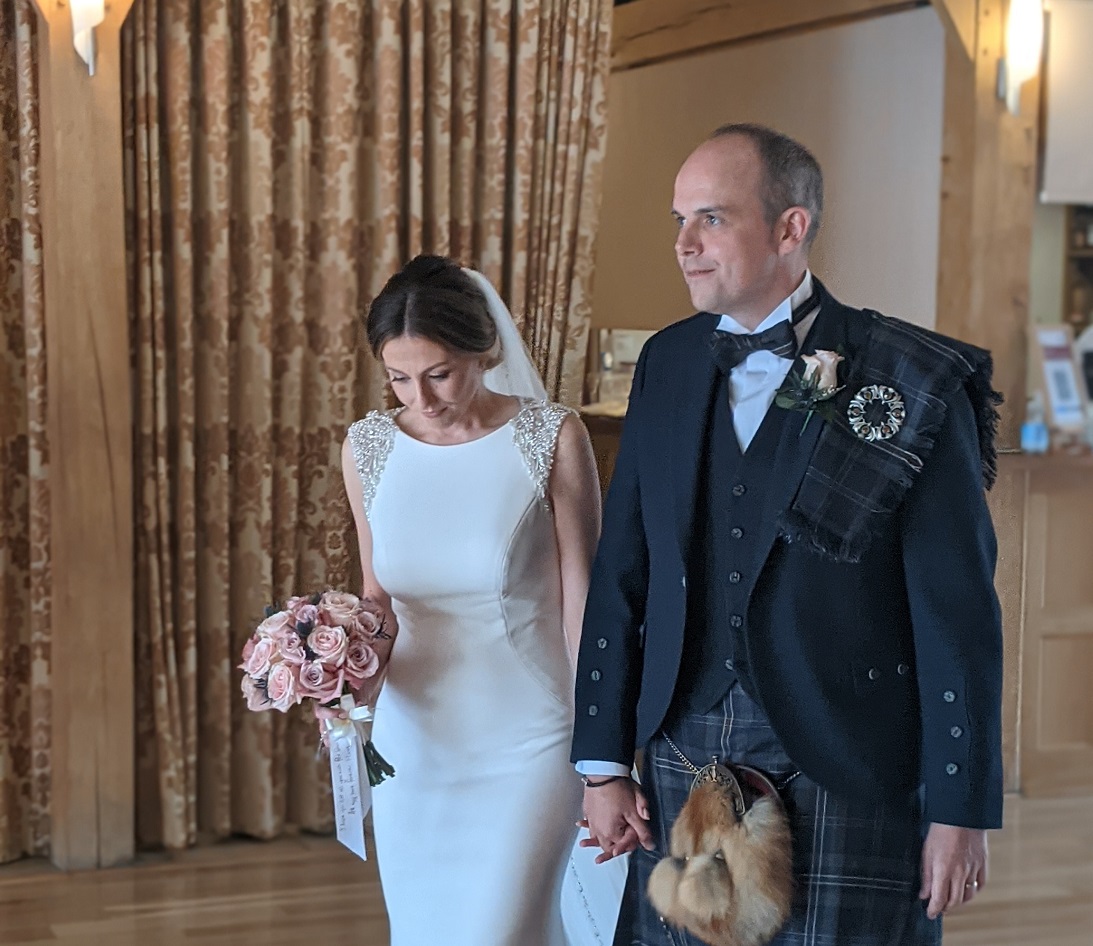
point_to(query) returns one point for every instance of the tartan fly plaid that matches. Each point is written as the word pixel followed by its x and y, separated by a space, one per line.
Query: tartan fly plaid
pixel 852 485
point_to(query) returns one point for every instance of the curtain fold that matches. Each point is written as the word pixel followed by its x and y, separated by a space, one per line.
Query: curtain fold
pixel 24 453
pixel 283 158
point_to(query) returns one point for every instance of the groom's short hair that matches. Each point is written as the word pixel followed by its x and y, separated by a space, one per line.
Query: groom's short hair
pixel 792 175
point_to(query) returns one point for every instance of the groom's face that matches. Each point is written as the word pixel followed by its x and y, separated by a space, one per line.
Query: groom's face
pixel 726 247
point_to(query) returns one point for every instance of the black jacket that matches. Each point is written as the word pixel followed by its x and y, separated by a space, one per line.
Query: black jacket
pixel 877 676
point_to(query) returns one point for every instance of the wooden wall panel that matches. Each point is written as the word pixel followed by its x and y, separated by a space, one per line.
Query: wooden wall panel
pixel 90 443
pixel 653 30
pixel 1057 693
pixel 987 203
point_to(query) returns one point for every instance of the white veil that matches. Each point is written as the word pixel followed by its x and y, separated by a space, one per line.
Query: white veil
pixel 516 373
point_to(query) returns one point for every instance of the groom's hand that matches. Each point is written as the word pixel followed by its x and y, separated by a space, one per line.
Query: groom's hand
pixel 954 867
pixel 617 817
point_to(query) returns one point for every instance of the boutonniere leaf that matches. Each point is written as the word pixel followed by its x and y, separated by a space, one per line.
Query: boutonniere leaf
pixel 812 389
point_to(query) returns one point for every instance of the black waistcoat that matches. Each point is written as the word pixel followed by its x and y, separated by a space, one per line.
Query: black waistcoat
pixel 724 556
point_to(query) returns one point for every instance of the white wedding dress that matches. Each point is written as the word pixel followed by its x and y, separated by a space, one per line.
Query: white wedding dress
pixel 475 834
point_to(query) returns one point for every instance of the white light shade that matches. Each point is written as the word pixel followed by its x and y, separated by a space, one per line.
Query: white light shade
pixel 1068 105
pixel 86 15
pixel 1024 47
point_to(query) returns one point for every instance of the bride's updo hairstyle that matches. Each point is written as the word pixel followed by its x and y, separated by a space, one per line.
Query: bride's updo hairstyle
pixel 431 297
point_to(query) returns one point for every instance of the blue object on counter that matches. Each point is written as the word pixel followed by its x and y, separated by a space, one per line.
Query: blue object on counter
pixel 1035 437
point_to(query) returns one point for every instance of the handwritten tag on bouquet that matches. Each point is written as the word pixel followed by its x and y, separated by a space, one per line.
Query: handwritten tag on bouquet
pixel 349 782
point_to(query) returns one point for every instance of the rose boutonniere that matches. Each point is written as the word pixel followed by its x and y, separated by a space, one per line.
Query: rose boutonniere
pixel 812 389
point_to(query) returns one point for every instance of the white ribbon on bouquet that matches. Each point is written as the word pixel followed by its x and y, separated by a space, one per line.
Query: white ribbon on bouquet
pixel 348 775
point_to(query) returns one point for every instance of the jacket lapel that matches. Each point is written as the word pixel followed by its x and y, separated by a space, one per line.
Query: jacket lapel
pixel 798 438
pixel 690 421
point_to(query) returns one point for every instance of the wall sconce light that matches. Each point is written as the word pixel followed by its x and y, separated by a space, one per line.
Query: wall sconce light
pixel 1024 50
pixel 86 15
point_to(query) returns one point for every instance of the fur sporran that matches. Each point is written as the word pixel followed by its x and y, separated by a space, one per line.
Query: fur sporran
pixel 729 877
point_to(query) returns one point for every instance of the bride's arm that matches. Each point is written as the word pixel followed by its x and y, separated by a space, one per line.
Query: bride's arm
pixel 575 498
pixel 371 589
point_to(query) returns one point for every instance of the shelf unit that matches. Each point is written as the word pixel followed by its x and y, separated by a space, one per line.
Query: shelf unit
pixel 1078 268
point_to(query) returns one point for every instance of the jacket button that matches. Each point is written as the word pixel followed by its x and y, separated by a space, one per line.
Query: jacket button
pixel 956 732
pixel 602 643
pixel 951 769
pixel 903 670
pixel 948 696
pixel 593 710
pixel 735 577
pixel 595 675
pixel 737 533
pixel 874 673
pixel 728 665
pixel 739 489
pixel 736 621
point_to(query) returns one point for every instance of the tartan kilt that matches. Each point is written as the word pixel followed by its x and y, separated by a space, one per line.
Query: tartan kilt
pixel 856 865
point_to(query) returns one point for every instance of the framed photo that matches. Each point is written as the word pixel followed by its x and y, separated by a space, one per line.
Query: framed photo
pixel 1064 386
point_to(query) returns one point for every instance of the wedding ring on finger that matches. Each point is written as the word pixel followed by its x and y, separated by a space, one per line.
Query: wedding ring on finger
pixel 972 885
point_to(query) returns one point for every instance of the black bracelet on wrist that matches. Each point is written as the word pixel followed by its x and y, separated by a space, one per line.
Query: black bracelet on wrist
pixel 607 781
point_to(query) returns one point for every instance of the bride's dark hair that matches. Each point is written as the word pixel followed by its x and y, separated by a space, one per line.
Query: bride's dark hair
pixel 431 297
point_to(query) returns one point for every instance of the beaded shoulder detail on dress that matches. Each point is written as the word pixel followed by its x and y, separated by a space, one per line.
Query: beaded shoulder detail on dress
pixel 371 440
pixel 535 432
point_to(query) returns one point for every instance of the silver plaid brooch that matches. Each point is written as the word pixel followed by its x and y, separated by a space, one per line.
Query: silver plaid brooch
pixel 876 412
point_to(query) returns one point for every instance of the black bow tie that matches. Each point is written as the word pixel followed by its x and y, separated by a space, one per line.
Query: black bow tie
pixel 729 349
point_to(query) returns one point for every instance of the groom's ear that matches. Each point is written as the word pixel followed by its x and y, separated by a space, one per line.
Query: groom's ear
pixel 791 230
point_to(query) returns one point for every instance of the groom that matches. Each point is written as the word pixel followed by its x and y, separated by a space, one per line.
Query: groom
pixel 805 587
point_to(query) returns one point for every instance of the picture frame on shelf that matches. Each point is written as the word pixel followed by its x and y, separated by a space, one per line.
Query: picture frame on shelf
pixel 1065 395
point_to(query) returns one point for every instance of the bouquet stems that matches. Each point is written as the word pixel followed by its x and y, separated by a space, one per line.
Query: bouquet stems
pixel 378 767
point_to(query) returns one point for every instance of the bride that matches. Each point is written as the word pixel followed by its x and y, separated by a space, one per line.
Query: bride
pixel 477 509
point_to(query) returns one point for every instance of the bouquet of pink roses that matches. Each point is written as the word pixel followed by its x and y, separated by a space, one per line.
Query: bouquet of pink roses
pixel 318 647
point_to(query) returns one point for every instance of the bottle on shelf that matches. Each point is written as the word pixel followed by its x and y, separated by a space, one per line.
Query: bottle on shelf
pixel 1035 437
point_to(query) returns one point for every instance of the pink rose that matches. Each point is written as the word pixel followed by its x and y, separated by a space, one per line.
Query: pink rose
pixel 328 644
pixel 276 625
pixel 361 662
pixel 320 683
pixel 368 622
pixel 338 608
pixel 258 659
pixel 256 698
pixel 282 686
pixel 292 648
pixel 307 614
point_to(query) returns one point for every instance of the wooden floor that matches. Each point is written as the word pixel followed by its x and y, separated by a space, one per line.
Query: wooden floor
pixel 310 892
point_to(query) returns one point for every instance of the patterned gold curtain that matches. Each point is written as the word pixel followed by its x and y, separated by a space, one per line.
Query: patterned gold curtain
pixel 284 157
pixel 24 498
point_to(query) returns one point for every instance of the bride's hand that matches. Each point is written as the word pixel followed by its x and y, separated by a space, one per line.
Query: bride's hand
pixel 322 714
pixel 616 816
